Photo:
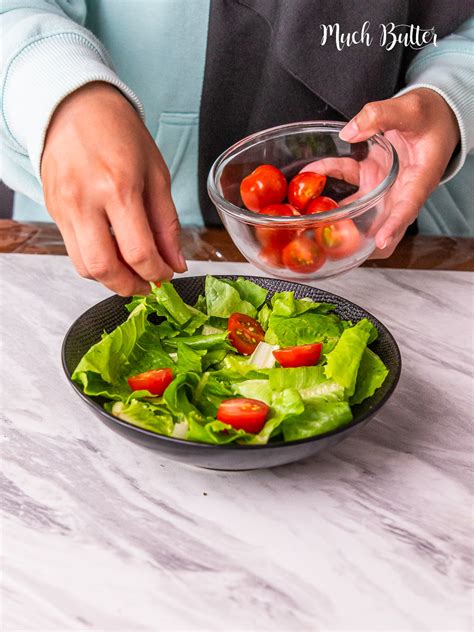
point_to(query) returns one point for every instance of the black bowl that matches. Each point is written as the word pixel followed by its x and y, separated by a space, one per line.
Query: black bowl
pixel 107 314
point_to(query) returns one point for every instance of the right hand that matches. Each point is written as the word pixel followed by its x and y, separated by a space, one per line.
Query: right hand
pixel 107 187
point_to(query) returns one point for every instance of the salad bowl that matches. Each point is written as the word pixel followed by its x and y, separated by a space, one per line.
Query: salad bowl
pixel 108 314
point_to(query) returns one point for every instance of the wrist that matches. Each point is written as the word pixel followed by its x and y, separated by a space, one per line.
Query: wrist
pixel 440 113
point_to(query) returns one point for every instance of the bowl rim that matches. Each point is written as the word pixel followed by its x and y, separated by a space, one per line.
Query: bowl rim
pixel 91 402
pixel 345 211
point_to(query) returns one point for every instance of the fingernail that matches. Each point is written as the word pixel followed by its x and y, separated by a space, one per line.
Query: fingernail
pixel 182 262
pixel 350 131
pixel 387 243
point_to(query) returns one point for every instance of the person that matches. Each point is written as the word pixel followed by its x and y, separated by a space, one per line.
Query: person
pixel 209 72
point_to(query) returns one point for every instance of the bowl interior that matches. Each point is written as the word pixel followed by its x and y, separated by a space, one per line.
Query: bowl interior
pixel 110 313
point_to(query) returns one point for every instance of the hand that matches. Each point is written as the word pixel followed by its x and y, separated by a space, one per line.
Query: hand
pixel 107 187
pixel 424 131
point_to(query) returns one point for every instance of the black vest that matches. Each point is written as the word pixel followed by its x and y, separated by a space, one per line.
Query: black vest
pixel 265 65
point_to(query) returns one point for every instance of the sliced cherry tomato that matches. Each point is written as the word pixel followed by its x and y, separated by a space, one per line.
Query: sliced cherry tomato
pixel 301 255
pixel 340 239
pixel 320 204
pixel 244 333
pixel 271 256
pixel 154 381
pixel 265 185
pixel 304 187
pixel 276 237
pixel 242 413
pixel 303 355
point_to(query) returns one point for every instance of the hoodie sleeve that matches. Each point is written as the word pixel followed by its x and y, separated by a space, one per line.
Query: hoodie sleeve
pixel 47 54
pixel 448 69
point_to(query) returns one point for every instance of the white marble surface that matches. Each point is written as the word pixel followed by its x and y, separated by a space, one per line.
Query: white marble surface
pixel 100 534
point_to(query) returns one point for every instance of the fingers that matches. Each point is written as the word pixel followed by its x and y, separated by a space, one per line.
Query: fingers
pixel 136 240
pixel 346 169
pixel 403 113
pixel 73 250
pixel 164 220
pixel 98 251
pixel 409 195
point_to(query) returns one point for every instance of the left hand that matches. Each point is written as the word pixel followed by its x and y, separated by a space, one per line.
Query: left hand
pixel 425 132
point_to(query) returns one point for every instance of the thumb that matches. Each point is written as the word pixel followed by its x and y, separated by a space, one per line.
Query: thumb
pixel 400 113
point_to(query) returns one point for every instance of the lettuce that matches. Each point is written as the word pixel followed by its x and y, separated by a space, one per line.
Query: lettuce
pixel 300 330
pixel 249 291
pixel 189 360
pixel 310 381
pixel 285 304
pixel 316 419
pixel 179 317
pixel 283 405
pixel 342 363
pixel 210 392
pixel 262 357
pixel 371 375
pixel 144 415
pixel 178 395
pixel 255 389
pixel 214 431
pixel 223 300
pixel 108 356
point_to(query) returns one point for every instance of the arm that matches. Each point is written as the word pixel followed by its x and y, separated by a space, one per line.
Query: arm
pixel 69 124
pixel 426 122
pixel 448 69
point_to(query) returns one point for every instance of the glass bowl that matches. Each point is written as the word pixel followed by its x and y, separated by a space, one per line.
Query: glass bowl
pixel 359 176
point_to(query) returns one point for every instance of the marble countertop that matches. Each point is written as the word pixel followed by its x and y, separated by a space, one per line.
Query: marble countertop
pixel 101 534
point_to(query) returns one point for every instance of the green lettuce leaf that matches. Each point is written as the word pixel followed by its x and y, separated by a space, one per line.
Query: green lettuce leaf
pixel 342 363
pixel 179 393
pixel 213 431
pixel 249 291
pixel 210 392
pixel 300 330
pixel 213 357
pixel 255 389
pixel 212 341
pixel 310 381
pixel 189 359
pixel 223 300
pixel 285 304
pixel 144 415
pixel 108 356
pixel 147 353
pixel 283 405
pixel 264 316
pixel 371 375
pixel 316 419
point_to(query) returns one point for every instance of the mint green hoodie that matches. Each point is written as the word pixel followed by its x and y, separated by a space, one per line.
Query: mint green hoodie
pixel 154 52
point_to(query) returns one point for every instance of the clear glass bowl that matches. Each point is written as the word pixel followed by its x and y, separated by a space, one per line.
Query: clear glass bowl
pixel 359 178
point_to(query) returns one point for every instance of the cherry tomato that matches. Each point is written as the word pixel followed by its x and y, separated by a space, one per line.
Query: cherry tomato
pixel 271 256
pixel 154 381
pixel 303 355
pixel 242 413
pixel 303 255
pixel 320 204
pixel 340 239
pixel 304 187
pixel 276 237
pixel 244 333
pixel 265 185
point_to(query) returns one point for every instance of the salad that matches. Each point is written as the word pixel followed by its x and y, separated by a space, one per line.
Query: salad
pixel 237 366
